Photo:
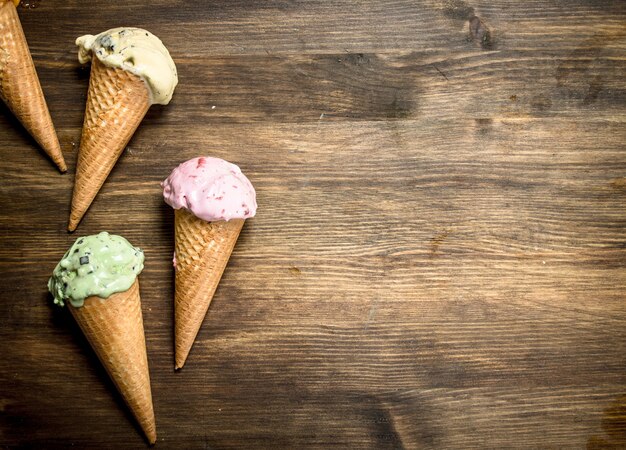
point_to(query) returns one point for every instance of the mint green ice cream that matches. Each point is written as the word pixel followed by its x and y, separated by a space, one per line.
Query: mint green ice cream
pixel 100 265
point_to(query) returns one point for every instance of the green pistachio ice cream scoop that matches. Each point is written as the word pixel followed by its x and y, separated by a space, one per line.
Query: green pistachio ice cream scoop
pixel 97 265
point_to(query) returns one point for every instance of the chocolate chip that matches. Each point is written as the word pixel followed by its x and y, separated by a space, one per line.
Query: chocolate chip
pixel 84 260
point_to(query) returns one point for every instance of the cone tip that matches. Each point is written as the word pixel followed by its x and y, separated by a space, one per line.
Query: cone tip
pixel 151 437
pixel 180 362
pixel 74 220
pixel 54 152
pixel 49 143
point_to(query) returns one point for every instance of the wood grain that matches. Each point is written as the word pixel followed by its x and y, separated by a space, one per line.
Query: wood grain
pixel 438 256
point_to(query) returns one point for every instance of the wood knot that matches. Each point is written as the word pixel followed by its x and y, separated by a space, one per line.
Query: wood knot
pixel 436 242
pixel 479 33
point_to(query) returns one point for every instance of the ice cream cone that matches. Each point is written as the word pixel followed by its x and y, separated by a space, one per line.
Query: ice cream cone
pixel 202 252
pixel 19 85
pixel 114 328
pixel 116 103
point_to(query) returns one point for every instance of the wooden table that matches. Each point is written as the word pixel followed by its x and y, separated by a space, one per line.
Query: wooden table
pixel 439 252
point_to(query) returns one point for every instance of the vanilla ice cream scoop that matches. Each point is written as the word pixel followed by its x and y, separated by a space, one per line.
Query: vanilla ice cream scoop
pixel 137 51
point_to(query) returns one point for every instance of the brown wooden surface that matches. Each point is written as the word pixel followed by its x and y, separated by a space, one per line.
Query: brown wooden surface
pixel 438 256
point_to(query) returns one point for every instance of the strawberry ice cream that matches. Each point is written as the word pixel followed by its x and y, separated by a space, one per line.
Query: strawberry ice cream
pixel 210 188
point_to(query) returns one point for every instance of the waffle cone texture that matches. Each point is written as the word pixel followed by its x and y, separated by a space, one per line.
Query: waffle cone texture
pixel 116 104
pixel 202 253
pixel 114 328
pixel 19 85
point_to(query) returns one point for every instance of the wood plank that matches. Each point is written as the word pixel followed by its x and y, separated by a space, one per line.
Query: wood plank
pixel 362 26
pixel 370 86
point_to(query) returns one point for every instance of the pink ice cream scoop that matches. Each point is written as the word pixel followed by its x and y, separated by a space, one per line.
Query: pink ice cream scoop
pixel 211 188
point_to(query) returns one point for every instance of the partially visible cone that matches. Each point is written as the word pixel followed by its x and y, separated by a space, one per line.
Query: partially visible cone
pixel 202 252
pixel 19 85
pixel 116 103
pixel 114 328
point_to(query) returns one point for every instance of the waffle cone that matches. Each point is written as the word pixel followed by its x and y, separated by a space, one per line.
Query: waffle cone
pixel 116 103
pixel 202 252
pixel 114 328
pixel 19 84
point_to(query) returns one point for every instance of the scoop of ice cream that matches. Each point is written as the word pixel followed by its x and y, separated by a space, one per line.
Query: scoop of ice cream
pixel 100 265
pixel 137 51
pixel 211 188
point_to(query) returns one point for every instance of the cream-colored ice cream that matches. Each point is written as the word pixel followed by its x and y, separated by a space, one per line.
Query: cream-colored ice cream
pixel 137 51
